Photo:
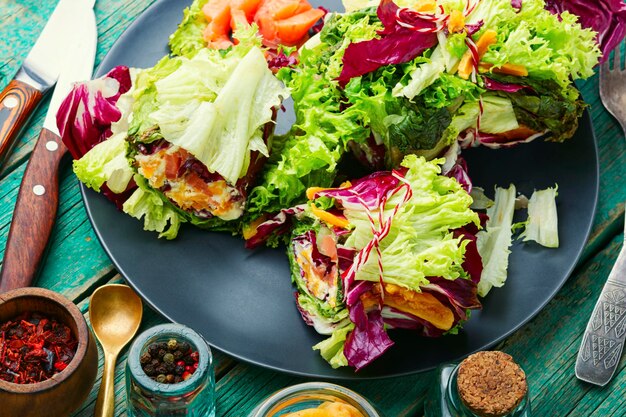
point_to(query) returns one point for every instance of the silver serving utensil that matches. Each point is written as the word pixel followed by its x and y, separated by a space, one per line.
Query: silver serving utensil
pixel 603 341
pixel 613 87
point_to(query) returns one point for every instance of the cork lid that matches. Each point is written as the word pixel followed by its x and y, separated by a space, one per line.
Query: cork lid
pixel 491 384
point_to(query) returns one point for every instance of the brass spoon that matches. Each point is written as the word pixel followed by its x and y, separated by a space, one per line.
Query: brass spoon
pixel 115 312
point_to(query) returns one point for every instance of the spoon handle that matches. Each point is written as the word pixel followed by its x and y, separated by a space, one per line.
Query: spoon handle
pixel 105 404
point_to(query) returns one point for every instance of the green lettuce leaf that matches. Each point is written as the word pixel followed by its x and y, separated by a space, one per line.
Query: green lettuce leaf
pixel 498 116
pixel 158 216
pixel 493 243
pixel 542 225
pixel 144 95
pixel 546 106
pixel 308 155
pixel 188 39
pixel 331 349
pixel 105 163
pixel 422 76
pixel 420 243
pixel 550 46
pixel 218 118
pixel 221 130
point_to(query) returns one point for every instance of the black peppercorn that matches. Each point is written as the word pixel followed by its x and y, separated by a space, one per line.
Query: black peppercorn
pixel 149 370
pixel 161 353
pixel 169 362
pixel 145 358
pixel 153 349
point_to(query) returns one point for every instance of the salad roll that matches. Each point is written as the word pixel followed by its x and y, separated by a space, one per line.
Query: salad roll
pixel 390 78
pixel 185 138
pixel 396 249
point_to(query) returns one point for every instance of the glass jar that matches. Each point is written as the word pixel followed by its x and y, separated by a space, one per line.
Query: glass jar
pixel 193 397
pixel 444 400
pixel 311 395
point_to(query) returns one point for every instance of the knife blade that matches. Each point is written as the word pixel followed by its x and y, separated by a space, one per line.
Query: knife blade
pixel 39 72
pixel 37 201
pixel 603 340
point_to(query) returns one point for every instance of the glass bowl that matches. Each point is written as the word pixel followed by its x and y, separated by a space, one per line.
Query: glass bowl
pixel 311 395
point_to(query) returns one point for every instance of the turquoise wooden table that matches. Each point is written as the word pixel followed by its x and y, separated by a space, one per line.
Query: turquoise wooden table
pixel 546 347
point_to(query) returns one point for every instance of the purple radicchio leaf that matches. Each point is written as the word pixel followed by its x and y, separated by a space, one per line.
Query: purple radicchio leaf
pixel 345 258
pixel 368 340
pixel 475 27
pixel 276 225
pixel 473 263
pixel 491 84
pixel 516 4
pixel 397 319
pixel 397 44
pixel 460 294
pixel 459 173
pixel 85 116
pixel 370 189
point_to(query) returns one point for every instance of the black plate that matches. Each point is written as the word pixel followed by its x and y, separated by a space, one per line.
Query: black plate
pixel 242 301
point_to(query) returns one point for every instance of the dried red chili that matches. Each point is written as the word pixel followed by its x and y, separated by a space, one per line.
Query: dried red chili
pixel 34 347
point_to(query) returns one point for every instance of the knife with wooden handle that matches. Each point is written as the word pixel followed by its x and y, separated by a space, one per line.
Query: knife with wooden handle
pixel 37 201
pixel 38 74
pixel 603 341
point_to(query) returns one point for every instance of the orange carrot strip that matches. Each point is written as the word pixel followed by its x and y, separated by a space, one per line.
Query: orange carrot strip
pixel 330 218
pixel 467 64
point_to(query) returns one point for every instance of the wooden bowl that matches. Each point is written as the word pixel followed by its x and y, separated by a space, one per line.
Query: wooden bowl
pixel 67 390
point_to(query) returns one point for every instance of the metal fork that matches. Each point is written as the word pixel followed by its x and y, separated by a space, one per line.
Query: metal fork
pixel 613 87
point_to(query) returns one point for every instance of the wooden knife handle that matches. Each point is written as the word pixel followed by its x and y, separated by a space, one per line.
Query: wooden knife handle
pixel 34 214
pixel 17 102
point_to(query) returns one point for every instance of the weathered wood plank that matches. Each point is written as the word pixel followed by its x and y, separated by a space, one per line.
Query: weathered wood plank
pixel 612 154
pixel 547 347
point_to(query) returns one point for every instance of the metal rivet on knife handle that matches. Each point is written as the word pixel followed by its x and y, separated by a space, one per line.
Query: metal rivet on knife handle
pixel 33 216
pixel 39 189
pixel 52 146
pixel 10 102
